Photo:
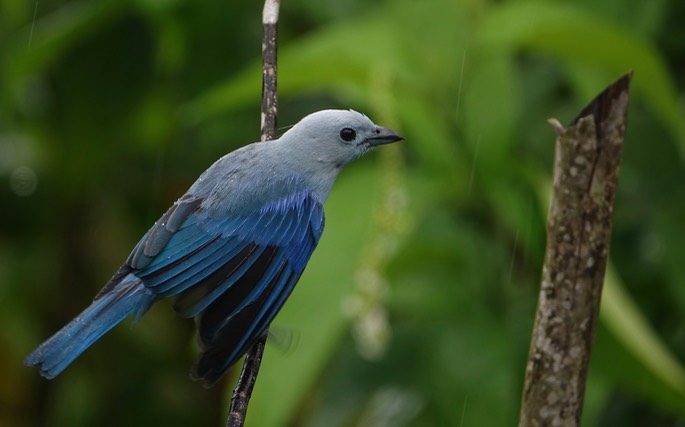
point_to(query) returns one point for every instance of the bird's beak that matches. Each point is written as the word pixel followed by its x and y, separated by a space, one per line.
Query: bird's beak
pixel 383 136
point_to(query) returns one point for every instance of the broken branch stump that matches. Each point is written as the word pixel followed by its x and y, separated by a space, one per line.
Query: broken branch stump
pixel 586 166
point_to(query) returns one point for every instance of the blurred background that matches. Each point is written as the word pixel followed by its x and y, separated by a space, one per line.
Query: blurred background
pixel 417 307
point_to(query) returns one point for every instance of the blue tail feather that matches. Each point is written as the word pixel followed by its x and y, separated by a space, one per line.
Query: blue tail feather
pixel 55 354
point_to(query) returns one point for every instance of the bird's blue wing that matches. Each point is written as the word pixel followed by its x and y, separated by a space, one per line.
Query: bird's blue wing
pixel 232 273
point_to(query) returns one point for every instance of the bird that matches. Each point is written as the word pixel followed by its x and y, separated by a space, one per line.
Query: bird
pixel 231 249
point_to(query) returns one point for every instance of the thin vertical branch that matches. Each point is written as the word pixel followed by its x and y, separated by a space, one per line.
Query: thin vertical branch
pixel 243 390
pixel 269 68
pixel 587 160
pixel 253 358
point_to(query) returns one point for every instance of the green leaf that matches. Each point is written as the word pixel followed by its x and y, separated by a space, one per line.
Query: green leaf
pixel 305 66
pixel 622 317
pixel 46 40
pixel 491 109
pixel 568 34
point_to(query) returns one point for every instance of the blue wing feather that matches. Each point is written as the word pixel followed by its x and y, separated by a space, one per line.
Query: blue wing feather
pixel 273 268
pixel 281 290
pixel 240 314
pixel 175 267
pixel 223 344
pixel 233 273
pixel 187 241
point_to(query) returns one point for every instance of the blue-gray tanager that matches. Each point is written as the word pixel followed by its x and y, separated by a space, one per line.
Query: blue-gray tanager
pixel 231 249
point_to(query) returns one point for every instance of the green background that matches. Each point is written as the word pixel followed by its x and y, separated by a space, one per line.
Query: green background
pixel 416 308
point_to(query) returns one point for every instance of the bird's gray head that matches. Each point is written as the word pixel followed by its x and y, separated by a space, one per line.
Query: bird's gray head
pixel 333 138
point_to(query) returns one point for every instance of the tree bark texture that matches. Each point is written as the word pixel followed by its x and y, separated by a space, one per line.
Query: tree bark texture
pixel 586 168
pixel 269 69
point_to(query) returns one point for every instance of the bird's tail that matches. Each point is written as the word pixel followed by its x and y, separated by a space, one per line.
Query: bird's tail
pixel 106 311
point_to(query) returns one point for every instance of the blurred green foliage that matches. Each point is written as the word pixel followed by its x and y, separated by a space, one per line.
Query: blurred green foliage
pixel 417 307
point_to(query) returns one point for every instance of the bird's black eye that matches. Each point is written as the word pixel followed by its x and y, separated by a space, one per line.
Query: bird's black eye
pixel 348 134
